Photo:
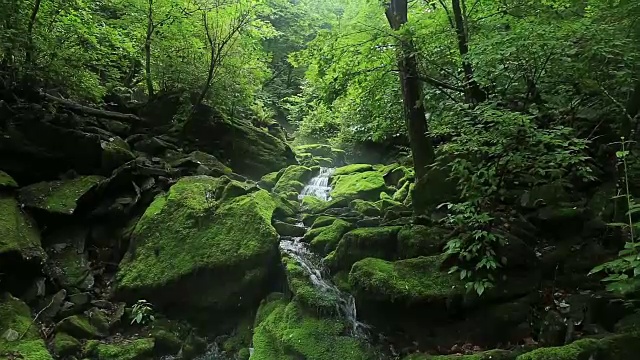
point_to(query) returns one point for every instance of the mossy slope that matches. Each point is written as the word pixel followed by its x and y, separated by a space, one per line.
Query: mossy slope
pixel 58 196
pixel 285 331
pixel 19 338
pixel 197 237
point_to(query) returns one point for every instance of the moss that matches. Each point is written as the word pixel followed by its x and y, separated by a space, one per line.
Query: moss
pixel 351 169
pixel 581 349
pixel 190 230
pixel 289 332
pixel 58 196
pixel 323 221
pixel 358 244
pixel 139 349
pixel 630 323
pixel 293 179
pixel 80 327
pixel 313 205
pixel 366 208
pixel 306 293
pixel 401 194
pixel 269 180
pixel 285 208
pixel 409 199
pixel 15 318
pixel 18 231
pixel 241 337
pixel 486 355
pixel 324 161
pixel 72 270
pixel 6 181
pixel 414 280
pixel 65 345
pixel 315 150
pixel 387 203
pixel 420 240
pixel 244 354
pixel 435 188
pixel 365 185
pixel 324 240
pixel 115 153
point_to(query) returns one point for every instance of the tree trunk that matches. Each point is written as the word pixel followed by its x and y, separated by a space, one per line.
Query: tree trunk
pixel 32 22
pixel 473 93
pixel 633 112
pixel 212 63
pixel 416 122
pixel 147 50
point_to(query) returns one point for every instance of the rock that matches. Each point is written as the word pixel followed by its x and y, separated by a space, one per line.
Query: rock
pixel 485 355
pixel 366 208
pixel 421 240
pixel 401 194
pixel 251 151
pixel 364 185
pixel 560 222
pixel 116 152
pixel 6 181
pixel 553 193
pixel 285 229
pixel 60 197
pixel 83 327
pixel 19 338
pixel 615 347
pixel 434 188
pixel 394 173
pixel 70 267
pixel 269 180
pixel 553 331
pixel 323 221
pixel 199 163
pixel 198 219
pixel 286 331
pixel 153 146
pixel 293 179
pixel 52 305
pixel 358 244
pixel 139 349
pixel 65 345
pixel 629 324
pixel 313 205
pixel 80 299
pixel 309 296
pixel 324 240
pixel 351 169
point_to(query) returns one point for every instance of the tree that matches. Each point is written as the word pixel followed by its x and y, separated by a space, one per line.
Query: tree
pixel 421 146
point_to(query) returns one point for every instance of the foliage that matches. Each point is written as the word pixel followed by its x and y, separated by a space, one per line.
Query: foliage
pixel 142 312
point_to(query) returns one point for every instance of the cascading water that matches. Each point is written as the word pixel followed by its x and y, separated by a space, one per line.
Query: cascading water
pixel 296 249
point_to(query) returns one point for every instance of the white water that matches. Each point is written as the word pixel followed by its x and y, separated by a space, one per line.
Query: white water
pixel 319 185
pixel 296 249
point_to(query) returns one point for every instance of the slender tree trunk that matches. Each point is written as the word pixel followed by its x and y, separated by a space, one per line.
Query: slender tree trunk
pixel 32 22
pixel 212 63
pixel 147 50
pixel 416 122
pixel 473 92
pixel 633 114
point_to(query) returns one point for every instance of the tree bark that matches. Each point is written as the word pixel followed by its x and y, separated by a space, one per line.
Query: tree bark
pixel 147 50
pixel 416 122
pixel 32 22
pixel 474 93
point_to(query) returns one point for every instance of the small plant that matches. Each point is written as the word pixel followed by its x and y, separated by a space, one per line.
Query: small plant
pixel 142 312
pixel 627 265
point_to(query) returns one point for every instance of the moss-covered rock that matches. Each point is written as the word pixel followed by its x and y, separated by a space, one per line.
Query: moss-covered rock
pixel 285 229
pixel 316 150
pixel 199 163
pixel 358 244
pixel 401 194
pixel 616 347
pixel 115 152
pixel 364 185
pixel 269 180
pixel 19 338
pixel 414 280
pixel 18 232
pixel 323 221
pixel 139 349
pixel 82 327
pixel 435 188
pixel 170 337
pixel 323 240
pixel 69 268
pixel 314 205
pixel 195 238
pixel 366 208
pixel 420 240
pixel 6 181
pixel 58 196
pixel 351 169
pixel 629 323
pixel 293 179
pixel 65 345
pixel 323 302
pixel 285 331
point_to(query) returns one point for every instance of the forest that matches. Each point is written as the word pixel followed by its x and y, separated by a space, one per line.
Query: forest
pixel 319 179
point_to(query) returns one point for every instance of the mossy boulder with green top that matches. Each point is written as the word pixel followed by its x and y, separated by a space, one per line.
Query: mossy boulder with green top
pixel 6 181
pixel 615 347
pixel 195 237
pixel 65 345
pixel 358 244
pixel 362 185
pixel 287 331
pixel 366 208
pixel 351 169
pixel 293 179
pixel 323 240
pixel 60 197
pixel 18 232
pixel 421 240
pixel 269 180
pixel 138 349
pixel 312 298
pixel 485 355
pixel 19 337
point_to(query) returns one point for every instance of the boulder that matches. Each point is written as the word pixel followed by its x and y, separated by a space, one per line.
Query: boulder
pixel 116 152
pixel 322 221
pixel 19 337
pixel 198 163
pixel 362 185
pixel 366 208
pixel 309 295
pixel 287 331
pixel 615 347
pixel 269 180
pixel 65 345
pixel 251 151
pixel 58 197
pixel 84 327
pixel 138 349
pixel 197 237
pixel 402 193
pixel 323 240
pixel 285 229
pixel 435 188
pixel 351 169
pixel 293 179
pixel 358 244
pixel 421 240
pixel 6 181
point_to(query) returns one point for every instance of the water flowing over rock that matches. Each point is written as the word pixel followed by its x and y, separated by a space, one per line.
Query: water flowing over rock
pixel 319 185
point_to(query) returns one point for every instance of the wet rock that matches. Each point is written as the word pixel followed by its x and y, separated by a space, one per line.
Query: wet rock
pixel 285 229
pixel 363 185
pixel 82 327
pixel 60 197
pixel 18 336
pixel 323 240
pixel 65 345
pixel 358 244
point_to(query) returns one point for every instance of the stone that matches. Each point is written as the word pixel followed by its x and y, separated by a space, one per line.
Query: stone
pixel 59 197
pixel 116 152
pixel 362 185
pixel 81 327
pixel 615 347
pixel 358 244
pixel 366 208
pixel 421 240
pixel 351 169
pixel 65 345
pixel 323 240
pixel 52 305
pixel 6 181
pixel 285 229
pixel 138 349
pixel 293 179
pixel 307 293
pixel 19 338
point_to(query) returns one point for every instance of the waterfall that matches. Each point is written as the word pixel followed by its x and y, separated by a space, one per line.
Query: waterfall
pixel 312 265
